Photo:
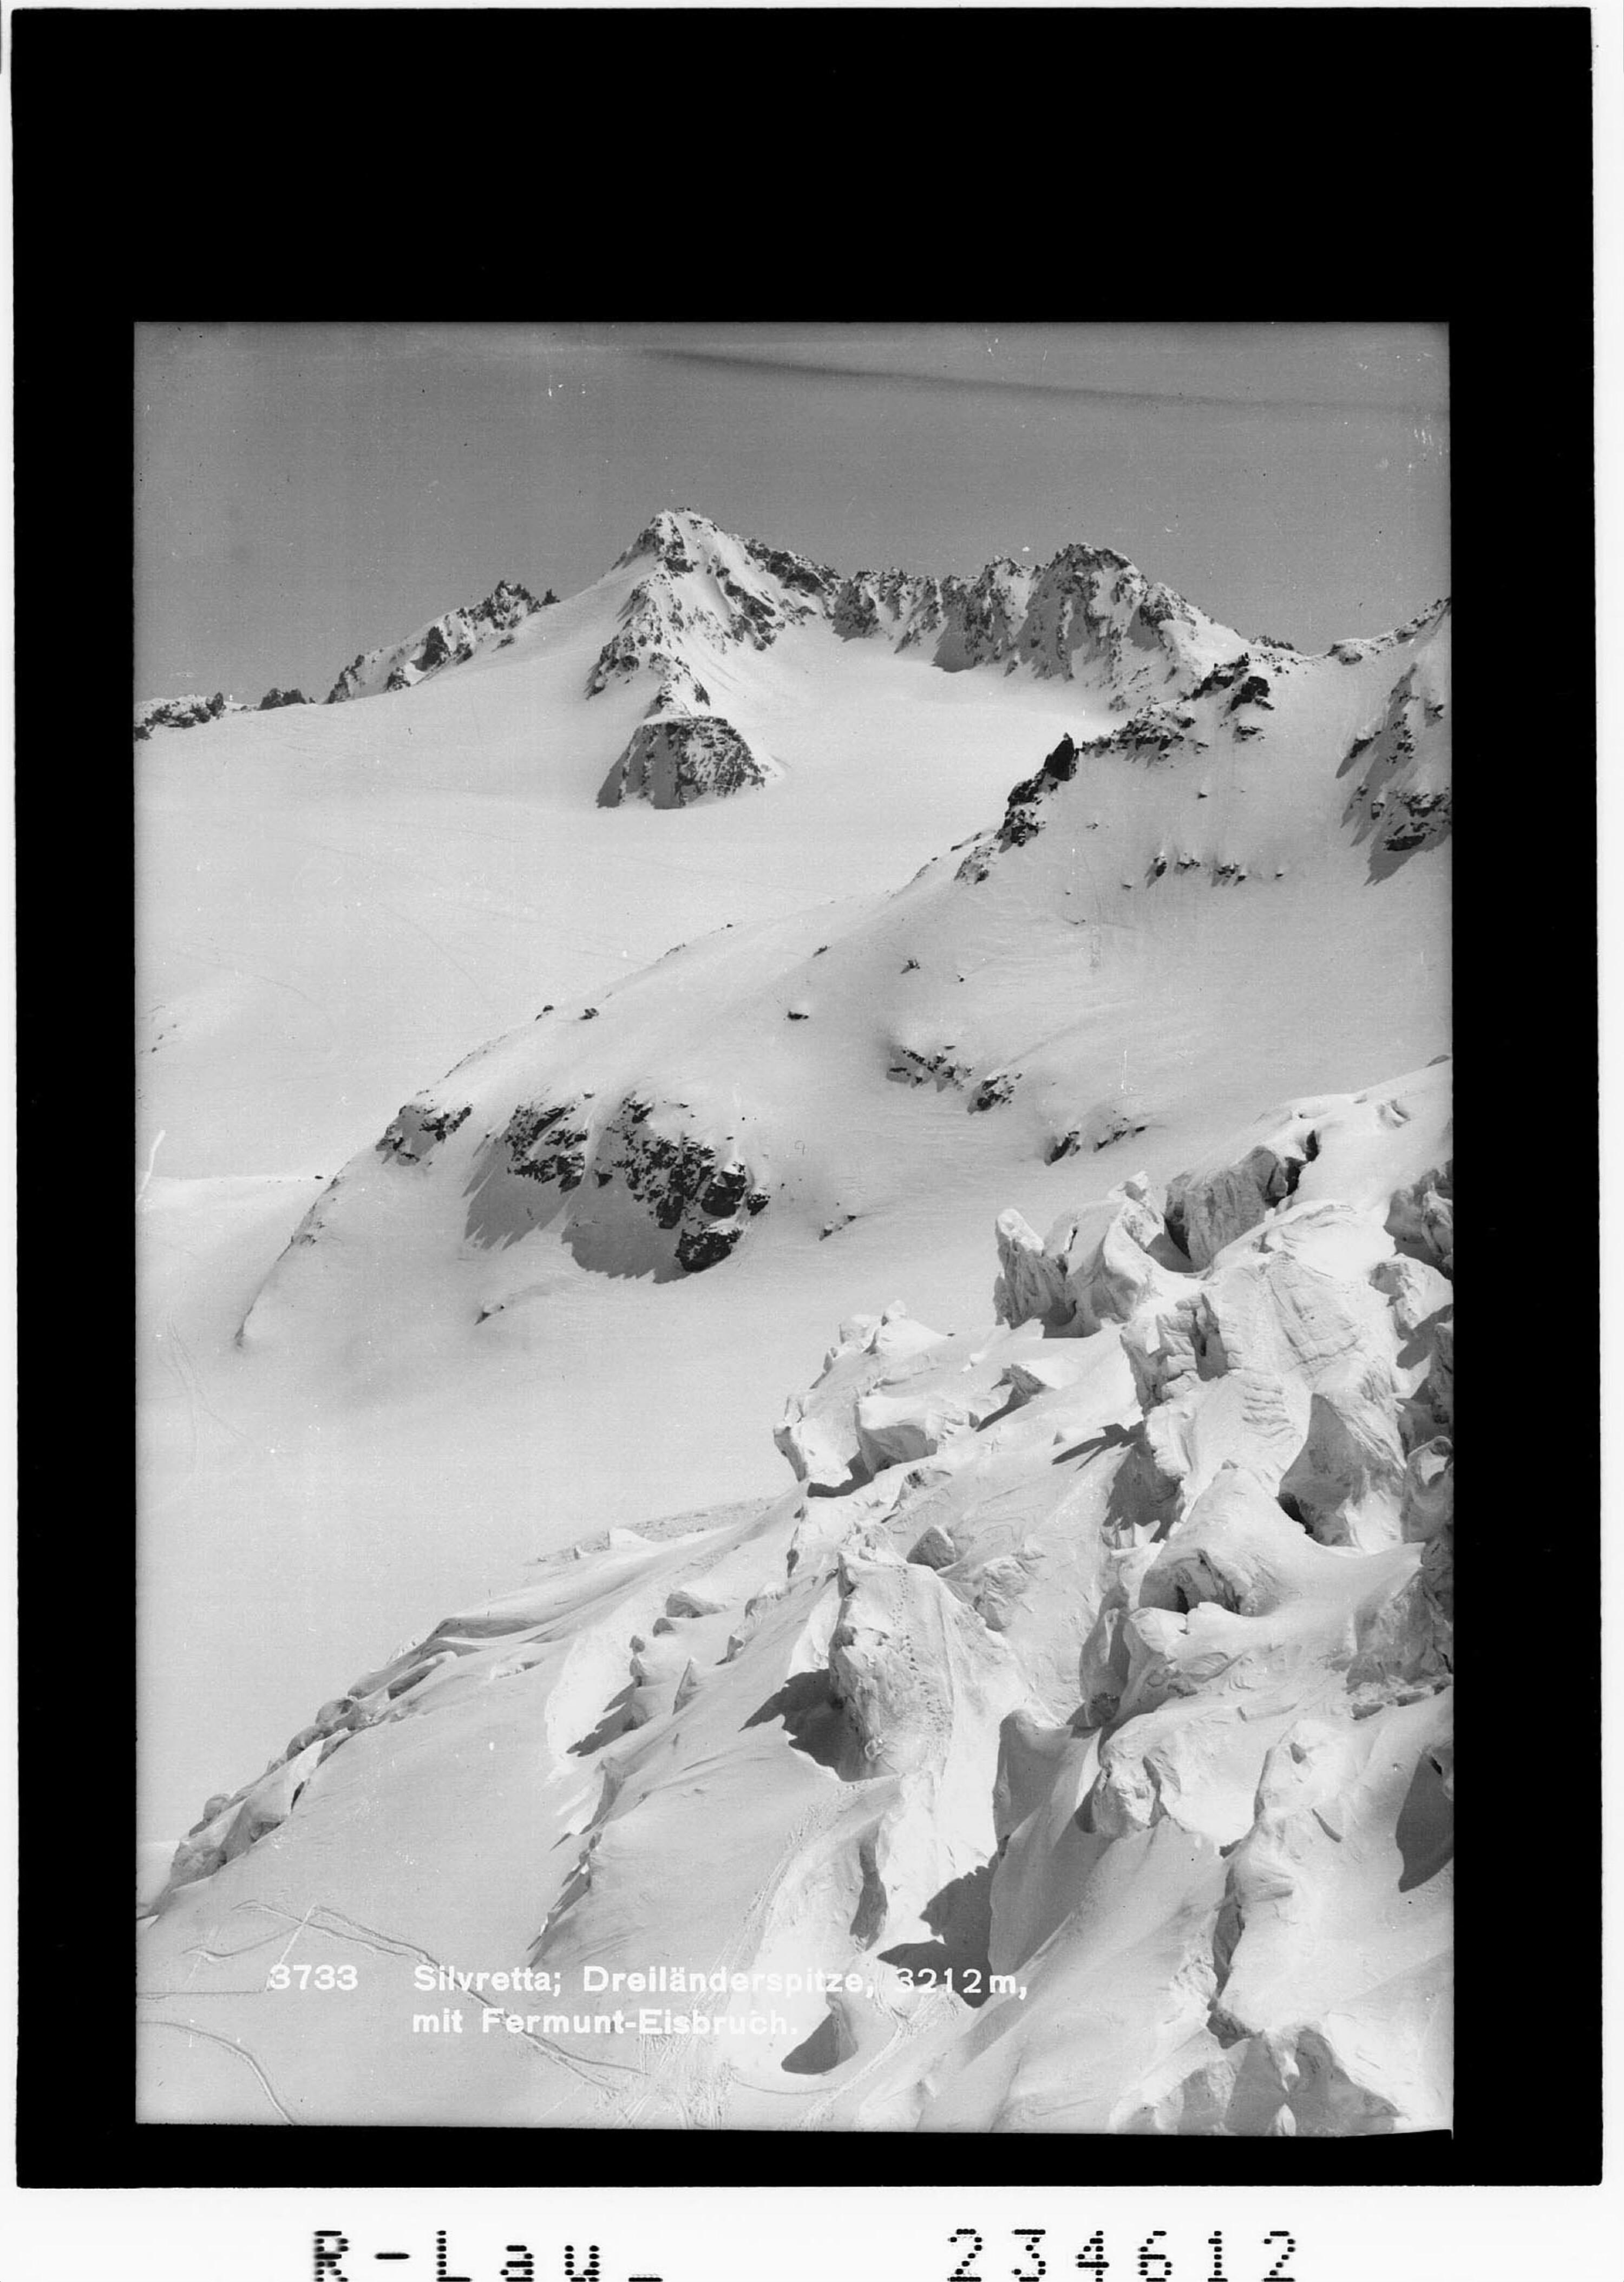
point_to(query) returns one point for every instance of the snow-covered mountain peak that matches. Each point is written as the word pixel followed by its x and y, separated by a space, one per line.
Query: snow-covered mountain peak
pixel 669 537
pixel 705 594
pixel 703 598
pixel 449 640
pixel 1087 615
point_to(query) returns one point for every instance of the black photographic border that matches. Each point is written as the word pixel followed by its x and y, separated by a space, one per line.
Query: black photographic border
pixel 1390 164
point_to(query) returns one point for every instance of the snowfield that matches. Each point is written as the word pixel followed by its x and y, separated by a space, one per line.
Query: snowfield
pixel 1022 964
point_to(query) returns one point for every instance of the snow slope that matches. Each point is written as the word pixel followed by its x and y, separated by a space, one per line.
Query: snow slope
pixel 337 900
pixel 564 1287
pixel 1113 1660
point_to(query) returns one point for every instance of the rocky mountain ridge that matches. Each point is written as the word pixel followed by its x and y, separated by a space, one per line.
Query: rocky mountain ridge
pixel 1086 613
pixel 450 640
pixel 912 992
pixel 191 712
pixel 1087 617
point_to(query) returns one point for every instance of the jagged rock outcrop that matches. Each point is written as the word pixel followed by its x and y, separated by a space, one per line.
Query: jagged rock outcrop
pixel 275 697
pixel 633 1191
pixel 1149 736
pixel 182 713
pixel 1401 799
pixel 906 606
pixel 1087 608
pixel 417 1128
pixel 703 1196
pixel 1020 822
pixel 677 760
pixel 919 1066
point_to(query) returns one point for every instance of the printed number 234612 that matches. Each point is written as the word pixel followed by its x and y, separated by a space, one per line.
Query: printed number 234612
pixel 1153 2263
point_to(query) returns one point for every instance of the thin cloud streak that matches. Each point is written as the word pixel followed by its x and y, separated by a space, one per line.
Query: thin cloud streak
pixel 811 369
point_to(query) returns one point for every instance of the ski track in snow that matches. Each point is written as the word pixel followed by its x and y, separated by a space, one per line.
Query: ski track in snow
pixel 190 2028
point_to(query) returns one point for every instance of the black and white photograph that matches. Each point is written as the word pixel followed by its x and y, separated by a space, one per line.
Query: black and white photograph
pixel 755 1527
pixel 796 1227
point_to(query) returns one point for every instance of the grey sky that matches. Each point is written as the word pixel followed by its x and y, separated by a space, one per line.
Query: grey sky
pixel 308 491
